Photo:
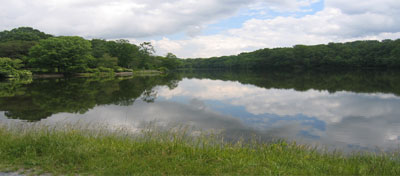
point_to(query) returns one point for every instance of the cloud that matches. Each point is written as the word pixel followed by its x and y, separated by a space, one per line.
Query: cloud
pixel 128 18
pixel 361 7
pixel 282 5
pixel 118 18
pixel 339 21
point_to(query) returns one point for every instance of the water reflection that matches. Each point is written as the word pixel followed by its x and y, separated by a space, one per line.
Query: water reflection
pixel 306 107
pixel 362 120
pixel 44 97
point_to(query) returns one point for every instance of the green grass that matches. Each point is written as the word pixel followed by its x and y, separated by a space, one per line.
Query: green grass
pixel 71 151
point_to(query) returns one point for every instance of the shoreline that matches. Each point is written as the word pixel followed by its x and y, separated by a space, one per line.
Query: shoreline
pixel 103 74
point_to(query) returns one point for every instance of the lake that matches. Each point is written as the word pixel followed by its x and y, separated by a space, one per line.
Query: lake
pixel 346 110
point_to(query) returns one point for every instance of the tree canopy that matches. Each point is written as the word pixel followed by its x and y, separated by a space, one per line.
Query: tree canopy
pixel 41 52
pixel 62 54
pixel 9 68
pixel 358 54
pixel 17 42
pixel 23 34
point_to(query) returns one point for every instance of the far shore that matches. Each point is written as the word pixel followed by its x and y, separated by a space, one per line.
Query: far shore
pixel 139 73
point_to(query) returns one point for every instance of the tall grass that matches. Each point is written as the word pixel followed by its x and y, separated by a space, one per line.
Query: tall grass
pixel 155 152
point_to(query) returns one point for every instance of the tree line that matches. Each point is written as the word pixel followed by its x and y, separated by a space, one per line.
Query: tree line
pixel 37 51
pixel 358 54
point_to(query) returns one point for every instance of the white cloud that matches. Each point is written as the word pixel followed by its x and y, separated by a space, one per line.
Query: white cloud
pixel 205 46
pixel 282 5
pixel 118 18
pixel 340 21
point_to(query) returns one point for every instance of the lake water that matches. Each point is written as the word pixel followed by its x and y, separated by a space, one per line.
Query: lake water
pixel 357 110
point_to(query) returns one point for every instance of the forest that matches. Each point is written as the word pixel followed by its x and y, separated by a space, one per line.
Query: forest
pixel 25 50
pixel 357 54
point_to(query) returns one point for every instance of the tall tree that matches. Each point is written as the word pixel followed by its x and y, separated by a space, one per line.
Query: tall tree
pixel 127 53
pixel 23 34
pixel 147 51
pixel 62 54
pixel 16 43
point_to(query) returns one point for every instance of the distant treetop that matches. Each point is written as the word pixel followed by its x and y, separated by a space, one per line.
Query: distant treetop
pixel 23 34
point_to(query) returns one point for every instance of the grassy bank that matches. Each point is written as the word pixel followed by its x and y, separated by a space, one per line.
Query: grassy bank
pixel 44 150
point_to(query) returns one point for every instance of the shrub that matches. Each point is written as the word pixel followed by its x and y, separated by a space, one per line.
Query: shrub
pixel 9 68
pixel 118 69
pixel 163 69
pixel 92 70
pixel 104 69
pixel 127 70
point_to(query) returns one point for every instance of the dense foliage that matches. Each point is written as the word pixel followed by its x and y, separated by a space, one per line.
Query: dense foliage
pixel 42 52
pixel 61 54
pixel 358 54
pixel 9 68
pixel 23 34
pixel 17 42
pixel 45 53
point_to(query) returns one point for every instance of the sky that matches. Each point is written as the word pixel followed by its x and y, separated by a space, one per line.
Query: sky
pixel 206 28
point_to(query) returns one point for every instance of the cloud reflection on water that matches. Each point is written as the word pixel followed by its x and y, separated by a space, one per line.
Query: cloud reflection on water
pixel 360 119
pixel 340 120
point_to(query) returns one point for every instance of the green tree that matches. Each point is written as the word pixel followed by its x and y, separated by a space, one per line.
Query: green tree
pixel 16 49
pixel 23 34
pixel 146 51
pixel 62 54
pixel 17 42
pixel 99 48
pixel 107 61
pixel 127 53
pixel 171 61
pixel 9 68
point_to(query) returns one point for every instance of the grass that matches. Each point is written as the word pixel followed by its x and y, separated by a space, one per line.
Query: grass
pixel 174 152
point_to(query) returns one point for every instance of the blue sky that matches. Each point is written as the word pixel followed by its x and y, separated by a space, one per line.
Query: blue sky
pixel 209 27
pixel 246 14
pixel 243 15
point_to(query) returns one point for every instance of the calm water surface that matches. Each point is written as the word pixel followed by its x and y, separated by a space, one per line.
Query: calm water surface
pixel 357 110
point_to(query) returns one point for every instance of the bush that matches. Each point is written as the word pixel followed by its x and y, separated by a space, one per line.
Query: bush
pixel 121 69
pixel 104 69
pixel 118 69
pixel 92 70
pixel 25 74
pixel 127 70
pixel 163 69
pixel 9 69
